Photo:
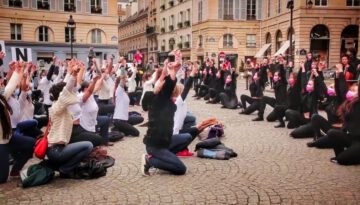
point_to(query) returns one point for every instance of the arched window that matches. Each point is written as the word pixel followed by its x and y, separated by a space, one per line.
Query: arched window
pixel 96 36
pixel 228 40
pixel 319 32
pixel 43 34
pixel 268 40
pixel 350 38
pixel 171 44
pixel 278 40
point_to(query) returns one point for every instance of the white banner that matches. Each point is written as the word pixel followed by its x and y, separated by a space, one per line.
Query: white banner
pixel 23 54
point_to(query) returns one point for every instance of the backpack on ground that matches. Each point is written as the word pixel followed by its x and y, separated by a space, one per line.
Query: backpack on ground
pixel 36 174
pixel 91 169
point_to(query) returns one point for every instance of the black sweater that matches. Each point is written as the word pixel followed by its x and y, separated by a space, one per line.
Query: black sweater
pixel 352 121
pixel 161 117
pixel 230 89
pixel 280 93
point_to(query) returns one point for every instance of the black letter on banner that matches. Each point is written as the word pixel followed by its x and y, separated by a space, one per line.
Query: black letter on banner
pixel 21 55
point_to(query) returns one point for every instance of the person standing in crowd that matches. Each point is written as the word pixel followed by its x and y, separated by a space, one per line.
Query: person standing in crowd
pixel 247 72
pixel 308 62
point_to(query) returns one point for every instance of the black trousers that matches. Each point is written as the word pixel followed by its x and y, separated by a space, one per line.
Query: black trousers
pixel 279 111
pixel 106 109
pixel 346 147
pixel 295 118
pixel 228 102
pixel 255 105
pixel 214 95
pixel 304 131
pixel 79 134
pixel 203 90
pixel 272 117
pixel 127 127
pixel 135 97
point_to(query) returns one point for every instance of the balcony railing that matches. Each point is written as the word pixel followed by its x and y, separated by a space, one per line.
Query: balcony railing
pixel 171 3
pixel 171 47
pixel 162 7
pixel 69 8
pixel 163 48
pixel 187 23
pixel 15 3
pixel 162 30
pixel 43 5
pixel 150 30
pixel 96 10
pixel 229 17
pixel 171 27
pixel 180 25
pixel 187 44
pixel 180 45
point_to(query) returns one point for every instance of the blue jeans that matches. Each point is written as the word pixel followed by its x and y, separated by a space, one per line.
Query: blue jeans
pixel 166 159
pixel 68 157
pixel 29 128
pixel 103 123
pixel 189 121
pixel 21 148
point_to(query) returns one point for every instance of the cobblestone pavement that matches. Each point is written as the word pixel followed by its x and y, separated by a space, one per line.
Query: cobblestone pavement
pixel 271 168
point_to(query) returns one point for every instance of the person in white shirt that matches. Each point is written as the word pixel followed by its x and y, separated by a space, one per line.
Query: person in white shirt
pixel 122 121
pixel 20 146
pixel 134 95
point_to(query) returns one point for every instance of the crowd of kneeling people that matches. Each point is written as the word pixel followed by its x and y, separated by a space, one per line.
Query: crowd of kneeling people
pixel 82 102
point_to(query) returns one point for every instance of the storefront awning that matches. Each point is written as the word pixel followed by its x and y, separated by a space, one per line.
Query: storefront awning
pixel 283 48
pixel 262 50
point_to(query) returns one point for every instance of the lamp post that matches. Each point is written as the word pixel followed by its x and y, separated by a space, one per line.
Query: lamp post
pixel 290 5
pixel 71 25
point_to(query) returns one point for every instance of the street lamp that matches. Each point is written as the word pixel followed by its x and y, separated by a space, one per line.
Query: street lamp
pixel 290 5
pixel 71 25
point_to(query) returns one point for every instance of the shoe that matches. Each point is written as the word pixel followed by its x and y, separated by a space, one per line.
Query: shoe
pixel 109 144
pixel 185 153
pixel 242 112
pixel 310 144
pixel 334 160
pixel 145 166
pixel 280 125
pixel 258 119
pixel 14 174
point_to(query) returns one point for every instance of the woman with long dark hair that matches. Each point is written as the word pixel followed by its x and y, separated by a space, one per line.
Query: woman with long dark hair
pixel 229 98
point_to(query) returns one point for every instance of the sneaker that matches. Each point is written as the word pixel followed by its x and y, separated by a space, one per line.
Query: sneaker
pixel 280 125
pixel 185 153
pixel 14 174
pixel 334 160
pixel 258 119
pixel 145 166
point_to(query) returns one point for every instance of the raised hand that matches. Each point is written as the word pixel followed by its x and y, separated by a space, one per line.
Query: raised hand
pixel 2 54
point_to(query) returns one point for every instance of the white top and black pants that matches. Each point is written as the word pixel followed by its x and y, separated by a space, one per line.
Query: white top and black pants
pixel 122 121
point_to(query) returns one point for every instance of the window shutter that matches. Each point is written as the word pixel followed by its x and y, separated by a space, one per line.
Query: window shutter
pixel 25 3
pixel 87 6
pixel 105 7
pixel 221 9
pixel 34 4
pixel 243 9
pixel 78 6
pixel 237 9
pixel 61 5
pixel 259 9
pixel 52 5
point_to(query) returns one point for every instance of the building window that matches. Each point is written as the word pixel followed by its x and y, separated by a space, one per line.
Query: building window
pixel 43 34
pixel 68 33
pixel 352 2
pixel 251 10
pixel 321 2
pixel 251 40
pixel 200 11
pixel 43 4
pixel 279 6
pixel 16 31
pixel 96 7
pixel 278 40
pixel 228 42
pixel 269 8
pixel 96 36
pixel 69 5
pixel 200 41
pixel 15 3
pixel 228 10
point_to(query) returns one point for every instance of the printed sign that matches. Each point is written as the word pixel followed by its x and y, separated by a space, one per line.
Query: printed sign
pixel 23 54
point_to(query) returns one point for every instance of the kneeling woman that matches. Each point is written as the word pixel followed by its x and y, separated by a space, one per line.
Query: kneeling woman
pixel 228 98
pixel 158 138
pixel 60 153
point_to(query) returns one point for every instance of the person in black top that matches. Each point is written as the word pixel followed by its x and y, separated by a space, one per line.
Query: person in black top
pixel 280 97
pixel 229 98
pixel 219 82
pixel 346 141
pixel 256 93
pixel 309 60
pixel 309 104
pixel 158 138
